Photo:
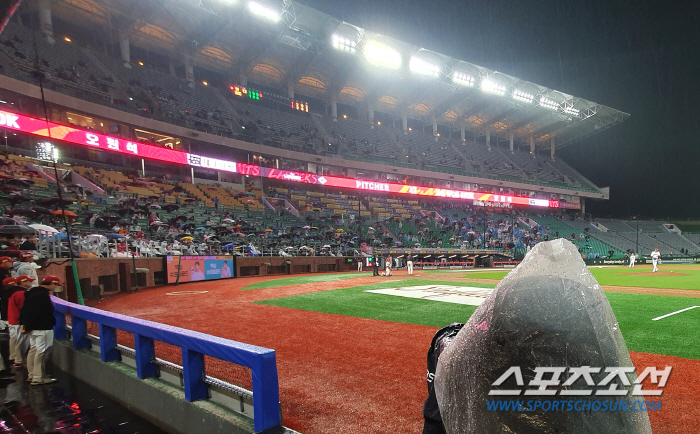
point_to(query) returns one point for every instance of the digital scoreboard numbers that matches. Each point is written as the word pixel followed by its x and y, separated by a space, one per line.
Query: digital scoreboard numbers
pixel 301 106
pixel 243 92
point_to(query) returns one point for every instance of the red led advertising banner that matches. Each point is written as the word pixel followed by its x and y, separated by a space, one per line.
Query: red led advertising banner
pixel 103 142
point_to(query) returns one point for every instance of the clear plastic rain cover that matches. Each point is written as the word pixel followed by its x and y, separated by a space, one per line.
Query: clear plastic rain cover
pixel 548 312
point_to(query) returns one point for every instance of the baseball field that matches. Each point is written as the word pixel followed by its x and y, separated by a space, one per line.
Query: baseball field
pixel 351 348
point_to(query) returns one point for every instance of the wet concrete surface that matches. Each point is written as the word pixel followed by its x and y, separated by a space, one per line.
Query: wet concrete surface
pixel 68 406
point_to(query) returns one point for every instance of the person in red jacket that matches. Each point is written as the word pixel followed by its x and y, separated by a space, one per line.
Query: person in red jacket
pixel 18 341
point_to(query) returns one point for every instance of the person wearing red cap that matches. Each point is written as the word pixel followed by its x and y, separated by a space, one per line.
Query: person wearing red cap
pixel 26 265
pixel 18 341
pixel 6 264
pixel 36 318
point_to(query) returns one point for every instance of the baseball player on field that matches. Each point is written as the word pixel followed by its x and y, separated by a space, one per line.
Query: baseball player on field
pixel 655 255
pixel 633 257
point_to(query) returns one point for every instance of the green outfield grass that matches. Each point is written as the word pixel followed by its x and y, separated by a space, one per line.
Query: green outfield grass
pixel 355 302
pixel 623 276
pixel 673 336
pixel 301 280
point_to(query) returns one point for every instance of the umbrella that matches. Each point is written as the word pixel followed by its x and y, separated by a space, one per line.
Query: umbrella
pixel 44 228
pixel 123 222
pixel 250 193
pixel 24 182
pixel 187 226
pixel 421 223
pixel 229 246
pixel 7 221
pixel 370 228
pixel 307 227
pixel 238 195
pixel 155 206
pixel 326 246
pixel 228 220
pixel 171 207
pixel 8 188
pixel 21 211
pixel 177 189
pixel 156 223
pixel 189 199
pixel 186 238
pixel 314 227
pixel 41 210
pixel 65 213
pixel 16 229
pixel 114 236
pixel 154 197
pixel 268 230
pixel 125 211
pixel 54 201
pixel 17 198
pixel 200 229
pixel 339 230
pixel 3 176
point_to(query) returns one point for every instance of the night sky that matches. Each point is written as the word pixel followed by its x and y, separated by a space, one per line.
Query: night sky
pixel 641 57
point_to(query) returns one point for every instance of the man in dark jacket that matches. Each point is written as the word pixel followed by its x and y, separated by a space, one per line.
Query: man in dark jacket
pixel 36 319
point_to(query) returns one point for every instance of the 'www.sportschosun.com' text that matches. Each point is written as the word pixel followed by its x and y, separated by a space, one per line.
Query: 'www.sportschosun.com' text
pixel 572 405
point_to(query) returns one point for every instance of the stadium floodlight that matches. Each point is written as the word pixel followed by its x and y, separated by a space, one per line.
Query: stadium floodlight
pixel 420 66
pixel 382 55
pixel 264 11
pixel 571 111
pixel 491 86
pixel 343 44
pixel 523 96
pixel 548 103
pixel 463 79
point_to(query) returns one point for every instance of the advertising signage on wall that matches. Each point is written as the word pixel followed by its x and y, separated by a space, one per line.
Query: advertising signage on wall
pixel 95 140
pixel 197 268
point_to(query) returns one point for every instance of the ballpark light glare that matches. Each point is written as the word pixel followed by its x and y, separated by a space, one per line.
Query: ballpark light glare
pixel 381 55
pixel 263 11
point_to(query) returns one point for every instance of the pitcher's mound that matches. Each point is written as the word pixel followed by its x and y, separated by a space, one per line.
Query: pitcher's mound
pixel 658 273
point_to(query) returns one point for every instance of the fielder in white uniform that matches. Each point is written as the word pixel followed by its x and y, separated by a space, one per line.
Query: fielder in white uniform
pixel 409 263
pixel 387 264
pixel 633 257
pixel 655 255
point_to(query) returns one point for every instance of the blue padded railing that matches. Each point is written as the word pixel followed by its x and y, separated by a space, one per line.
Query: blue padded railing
pixel 194 345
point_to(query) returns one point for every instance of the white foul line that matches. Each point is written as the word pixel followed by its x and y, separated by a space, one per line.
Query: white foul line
pixel 673 313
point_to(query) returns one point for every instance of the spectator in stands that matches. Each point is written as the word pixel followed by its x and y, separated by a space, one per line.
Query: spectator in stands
pixel 36 318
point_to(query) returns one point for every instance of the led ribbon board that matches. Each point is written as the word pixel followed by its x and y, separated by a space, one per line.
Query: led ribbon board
pixel 95 140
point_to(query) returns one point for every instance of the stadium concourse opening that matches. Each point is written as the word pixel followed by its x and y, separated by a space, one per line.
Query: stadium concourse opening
pixel 193 143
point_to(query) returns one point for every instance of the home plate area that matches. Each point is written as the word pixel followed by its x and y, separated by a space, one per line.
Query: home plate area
pixel 447 293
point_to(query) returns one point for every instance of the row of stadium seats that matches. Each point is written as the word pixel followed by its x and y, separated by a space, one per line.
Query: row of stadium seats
pixel 148 92
pixel 407 221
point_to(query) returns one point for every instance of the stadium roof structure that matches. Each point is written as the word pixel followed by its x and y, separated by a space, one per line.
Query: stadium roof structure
pixel 286 45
